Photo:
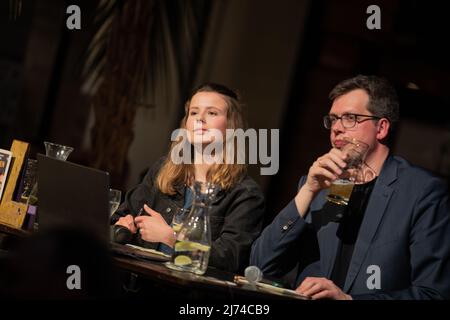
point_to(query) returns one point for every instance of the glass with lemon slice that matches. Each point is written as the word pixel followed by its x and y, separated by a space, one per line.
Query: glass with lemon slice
pixel 191 256
pixel 178 218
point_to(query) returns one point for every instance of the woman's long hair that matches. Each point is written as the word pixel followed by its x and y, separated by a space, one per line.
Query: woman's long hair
pixel 224 174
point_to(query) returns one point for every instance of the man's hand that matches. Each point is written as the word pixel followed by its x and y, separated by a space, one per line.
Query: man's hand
pixel 325 170
pixel 321 288
pixel 127 222
pixel 154 228
pixel 321 174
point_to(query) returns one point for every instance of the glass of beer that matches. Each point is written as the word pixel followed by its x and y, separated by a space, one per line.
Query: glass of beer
pixel 341 189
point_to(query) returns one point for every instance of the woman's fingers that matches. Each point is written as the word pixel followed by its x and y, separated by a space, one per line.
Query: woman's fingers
pixel 127 222
pixel 151 212
pixel 140 221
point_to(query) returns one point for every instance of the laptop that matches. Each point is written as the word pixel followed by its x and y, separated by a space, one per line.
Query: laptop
pixel 72 195
pixel 76 196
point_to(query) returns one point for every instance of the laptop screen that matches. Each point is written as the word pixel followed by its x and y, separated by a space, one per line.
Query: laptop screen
pixel 72 195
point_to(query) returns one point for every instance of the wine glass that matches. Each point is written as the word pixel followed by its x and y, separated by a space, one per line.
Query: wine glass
pixel 114 200
pixel 57 151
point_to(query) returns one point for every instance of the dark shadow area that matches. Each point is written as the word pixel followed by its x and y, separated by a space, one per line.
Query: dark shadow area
pixel 39 267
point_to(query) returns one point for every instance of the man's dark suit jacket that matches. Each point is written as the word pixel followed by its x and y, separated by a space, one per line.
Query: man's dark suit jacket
pixel 405 232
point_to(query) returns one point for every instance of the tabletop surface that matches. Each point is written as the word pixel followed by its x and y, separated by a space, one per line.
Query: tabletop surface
pixel 214 279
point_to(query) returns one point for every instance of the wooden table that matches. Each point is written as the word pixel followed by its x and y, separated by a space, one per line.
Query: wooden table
pixel 164 283
pixel 215 284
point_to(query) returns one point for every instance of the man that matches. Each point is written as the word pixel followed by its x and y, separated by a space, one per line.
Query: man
pixel 393 241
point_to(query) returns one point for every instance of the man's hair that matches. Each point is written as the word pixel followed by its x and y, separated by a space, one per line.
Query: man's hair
pixel 383 101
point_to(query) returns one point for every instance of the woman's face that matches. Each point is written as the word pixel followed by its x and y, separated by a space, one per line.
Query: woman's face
pixel 207 111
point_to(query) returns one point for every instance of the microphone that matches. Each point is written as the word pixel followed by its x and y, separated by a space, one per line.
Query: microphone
pixel 253 275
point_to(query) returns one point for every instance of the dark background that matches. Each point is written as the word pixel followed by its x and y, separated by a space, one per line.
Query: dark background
pixel 283 57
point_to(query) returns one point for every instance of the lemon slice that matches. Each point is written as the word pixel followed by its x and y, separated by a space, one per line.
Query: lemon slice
pixel 182 260
pixel 201 247
pixel 190 246
pixel 177 227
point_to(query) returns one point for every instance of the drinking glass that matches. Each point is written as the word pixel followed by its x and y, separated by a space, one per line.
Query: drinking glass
pixel 341 189
pixel 114 200
pixel 178 218
pixel 57 151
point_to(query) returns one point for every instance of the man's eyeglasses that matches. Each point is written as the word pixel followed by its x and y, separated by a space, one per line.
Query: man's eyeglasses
pixel 348 120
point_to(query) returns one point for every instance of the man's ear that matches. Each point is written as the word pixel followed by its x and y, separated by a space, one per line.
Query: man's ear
pixel 383 126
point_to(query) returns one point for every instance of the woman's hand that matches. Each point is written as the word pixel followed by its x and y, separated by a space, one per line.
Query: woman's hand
pixel 127 222
pixel 154 228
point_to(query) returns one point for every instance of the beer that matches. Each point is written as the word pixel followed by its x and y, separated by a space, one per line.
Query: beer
pixel 340 191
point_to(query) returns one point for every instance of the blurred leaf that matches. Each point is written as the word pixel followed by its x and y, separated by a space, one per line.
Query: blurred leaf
pixel 143 51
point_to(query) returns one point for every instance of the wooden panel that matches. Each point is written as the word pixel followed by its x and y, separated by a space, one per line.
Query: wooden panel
pixel 13 213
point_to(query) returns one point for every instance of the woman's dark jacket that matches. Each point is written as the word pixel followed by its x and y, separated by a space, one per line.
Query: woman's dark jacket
pixel 236 217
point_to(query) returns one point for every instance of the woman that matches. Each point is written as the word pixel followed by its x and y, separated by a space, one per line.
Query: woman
pixel 237 214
